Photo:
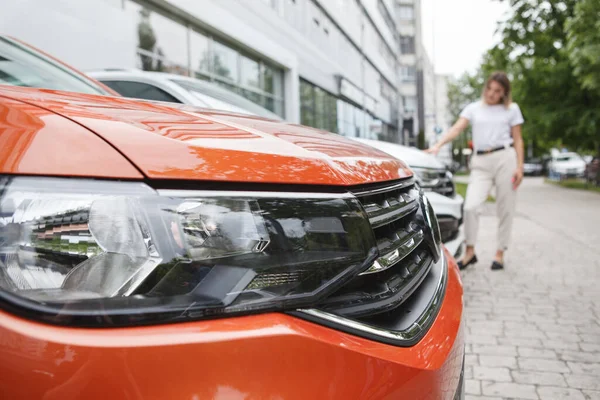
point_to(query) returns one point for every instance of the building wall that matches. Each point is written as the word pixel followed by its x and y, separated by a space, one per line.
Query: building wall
pixel 264 49
pixel 407 13
pixel 444 119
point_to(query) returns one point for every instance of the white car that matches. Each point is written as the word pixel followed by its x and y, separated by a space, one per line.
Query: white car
pixel 439 187
pixel 567 165
pixel 161 86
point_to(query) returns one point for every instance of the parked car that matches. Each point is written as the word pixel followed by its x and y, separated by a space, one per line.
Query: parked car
pixel 173 88
pixel 533 167
pixel 154 250
pixel 567 165
pixel 24 65
pixel 439 188
pixel 592 171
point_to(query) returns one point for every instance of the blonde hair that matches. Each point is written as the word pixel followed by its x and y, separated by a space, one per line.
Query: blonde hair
pixel 500 78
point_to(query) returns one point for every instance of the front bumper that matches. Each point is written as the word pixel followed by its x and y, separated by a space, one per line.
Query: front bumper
pixel 262 356
pixel 446 206
pixel 456 246
pixel 449 211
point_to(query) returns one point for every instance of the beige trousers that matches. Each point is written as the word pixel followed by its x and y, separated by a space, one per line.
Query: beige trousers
pixel 487 170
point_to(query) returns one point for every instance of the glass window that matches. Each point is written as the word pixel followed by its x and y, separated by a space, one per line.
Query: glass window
pixel 407 44
pixel 225 62
pixel 332 114
pixel 389 21
pixel 410 103
pixel 307 104
pixel 199 52
pixel 138 90
pixel 320 111
pixel 408 73
pixel 249 72
pixel 406 12
pixel 162 42
pixel 318 108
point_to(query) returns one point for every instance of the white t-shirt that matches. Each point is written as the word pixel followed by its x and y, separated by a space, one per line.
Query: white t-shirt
pixel 492 124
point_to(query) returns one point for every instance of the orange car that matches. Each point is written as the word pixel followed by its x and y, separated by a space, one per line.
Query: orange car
pixel 149 251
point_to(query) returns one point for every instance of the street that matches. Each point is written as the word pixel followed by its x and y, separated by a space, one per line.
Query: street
pixel 533 329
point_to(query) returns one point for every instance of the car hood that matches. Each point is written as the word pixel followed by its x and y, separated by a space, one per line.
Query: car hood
pixel 186 143
pixel 410 155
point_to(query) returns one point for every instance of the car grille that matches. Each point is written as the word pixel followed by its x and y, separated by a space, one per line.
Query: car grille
pixel 390 296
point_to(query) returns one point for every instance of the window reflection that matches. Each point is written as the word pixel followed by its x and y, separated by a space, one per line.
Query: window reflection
pixel 199 52
pixel 318 108
pixel 162 43
pixel 249 72
pixel 166 45
pixel 225 61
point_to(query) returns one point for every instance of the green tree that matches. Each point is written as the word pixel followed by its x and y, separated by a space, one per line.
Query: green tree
pixel 536 51
pixel 583 45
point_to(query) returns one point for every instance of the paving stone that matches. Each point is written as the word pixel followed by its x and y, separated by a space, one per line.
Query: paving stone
pixel 585 368
pixel 481 339
pixel 558 393
pixel 469 372
pixel 496 374
pixel 520 342
pixel 472 386
pixel 539 378
pixel 471 359
pixel 537 353
pixel 497 361
pixel 591 394
pixel 590 382
pixel 511 390
pixel 560 345
pixel 579 356
pixel 543 365
pixel 498 350
pixel 590 347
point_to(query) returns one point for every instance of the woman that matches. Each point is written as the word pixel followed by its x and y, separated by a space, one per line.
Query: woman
pixel 497 160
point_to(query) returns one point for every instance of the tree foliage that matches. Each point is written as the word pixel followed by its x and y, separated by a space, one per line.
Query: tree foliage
pixel 583 45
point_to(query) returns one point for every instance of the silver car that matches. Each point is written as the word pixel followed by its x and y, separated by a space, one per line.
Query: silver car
pixel 160 86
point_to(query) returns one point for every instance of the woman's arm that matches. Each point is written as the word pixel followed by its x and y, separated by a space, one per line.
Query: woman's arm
pixel 452 134
pixel 520 149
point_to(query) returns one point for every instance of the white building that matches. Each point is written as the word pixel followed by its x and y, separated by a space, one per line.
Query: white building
pixel 442 115
pixel 408 14
pixel 331 64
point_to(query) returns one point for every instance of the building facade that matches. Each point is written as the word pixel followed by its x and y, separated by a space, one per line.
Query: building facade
pixel 443 118
pixel 408 21
pixel 341 65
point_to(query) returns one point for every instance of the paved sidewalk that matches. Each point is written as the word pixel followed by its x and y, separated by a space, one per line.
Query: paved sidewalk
pixel 534 328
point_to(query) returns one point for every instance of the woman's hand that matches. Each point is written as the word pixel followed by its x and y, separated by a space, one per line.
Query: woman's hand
pixel 517 178
pixel 435 149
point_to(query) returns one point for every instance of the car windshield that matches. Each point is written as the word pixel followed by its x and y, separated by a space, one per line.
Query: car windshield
pixel 568 157
pixel 223 99
pixel 22 66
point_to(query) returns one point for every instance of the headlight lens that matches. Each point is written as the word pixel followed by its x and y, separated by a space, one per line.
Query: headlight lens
pixel 427 178
pixel 72 250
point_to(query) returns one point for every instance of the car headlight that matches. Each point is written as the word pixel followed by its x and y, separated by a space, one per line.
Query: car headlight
pixel 84 252
pixel 427 178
